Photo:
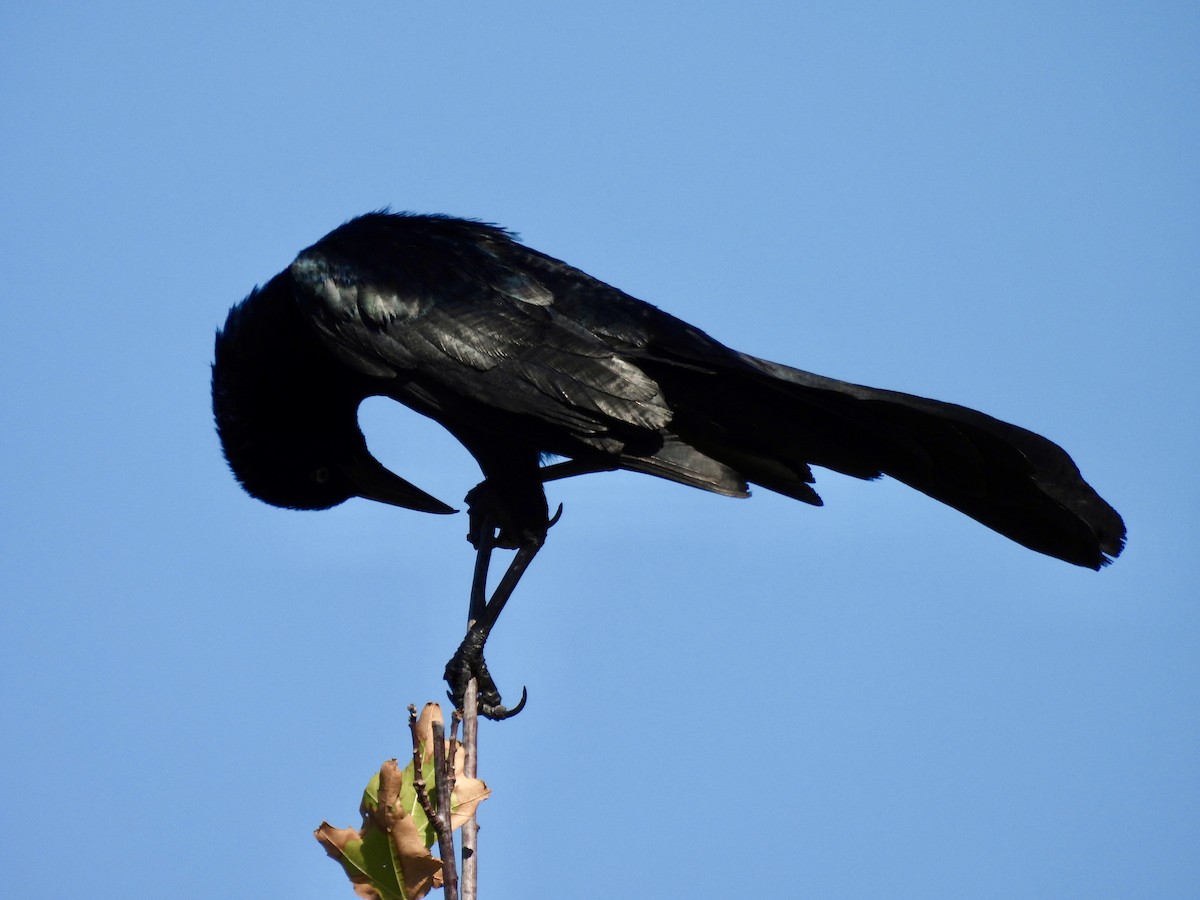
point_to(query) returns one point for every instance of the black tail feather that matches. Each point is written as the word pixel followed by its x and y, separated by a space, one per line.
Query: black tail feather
pixel 768 422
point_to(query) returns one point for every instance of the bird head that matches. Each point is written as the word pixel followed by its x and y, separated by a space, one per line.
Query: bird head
pixel 286 413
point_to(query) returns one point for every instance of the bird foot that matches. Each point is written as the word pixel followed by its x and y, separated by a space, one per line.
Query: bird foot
pixel 467 663
pixel 487 518
pixel 494 524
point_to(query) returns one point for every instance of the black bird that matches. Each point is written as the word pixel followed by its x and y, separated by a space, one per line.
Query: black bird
pixel 524 358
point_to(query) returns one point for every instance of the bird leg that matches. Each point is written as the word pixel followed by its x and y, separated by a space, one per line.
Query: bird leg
pixel 467 661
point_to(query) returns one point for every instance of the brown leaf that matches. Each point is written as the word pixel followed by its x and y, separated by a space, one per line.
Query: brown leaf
pixel 468 794
pixel 345 846
pixel 432 712
pixel 421 871
pixel 386 858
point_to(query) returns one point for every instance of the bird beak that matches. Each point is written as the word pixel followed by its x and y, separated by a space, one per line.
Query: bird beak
pixel 373 482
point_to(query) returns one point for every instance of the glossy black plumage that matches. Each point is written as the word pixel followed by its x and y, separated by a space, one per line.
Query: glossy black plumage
pixel 520 356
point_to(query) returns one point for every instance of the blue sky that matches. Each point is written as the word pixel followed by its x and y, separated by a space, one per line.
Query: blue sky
pixel 994 204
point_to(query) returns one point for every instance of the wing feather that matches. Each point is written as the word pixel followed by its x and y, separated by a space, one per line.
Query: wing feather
pixel 491 320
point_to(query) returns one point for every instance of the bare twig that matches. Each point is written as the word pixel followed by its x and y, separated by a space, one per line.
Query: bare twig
pixel 443 775
pixel 439 818
pixel 470 829
pixel 445 749
pixel 419 770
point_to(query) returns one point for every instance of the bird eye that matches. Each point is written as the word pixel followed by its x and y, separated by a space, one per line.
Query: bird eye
pixel 321 475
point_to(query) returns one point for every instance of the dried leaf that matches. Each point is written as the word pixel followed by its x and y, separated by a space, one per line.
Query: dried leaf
pixel 468 793
pixel 421 872
pixel 432 712
pixel 346 846
pixel 387 859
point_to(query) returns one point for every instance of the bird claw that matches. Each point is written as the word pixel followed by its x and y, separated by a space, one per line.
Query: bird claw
pixel 481 516
pixel 467 663
pixel 492 524
pixel 498 712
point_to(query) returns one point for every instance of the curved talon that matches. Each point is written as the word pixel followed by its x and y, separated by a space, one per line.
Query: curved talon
pixel 499 712
pixel 468 663
pixel 496 711
pixel 554 518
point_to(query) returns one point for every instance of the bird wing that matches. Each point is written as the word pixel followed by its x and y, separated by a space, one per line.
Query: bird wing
pixel 462 318
pixel 463 323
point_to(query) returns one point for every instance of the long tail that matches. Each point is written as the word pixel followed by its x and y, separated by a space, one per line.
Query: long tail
pixel 768 422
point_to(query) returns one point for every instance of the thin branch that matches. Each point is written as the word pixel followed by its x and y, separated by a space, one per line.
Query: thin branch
pixel 446 748
pixel 443 775
pixel 419 770
pixel 470 828
pixel 441 823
